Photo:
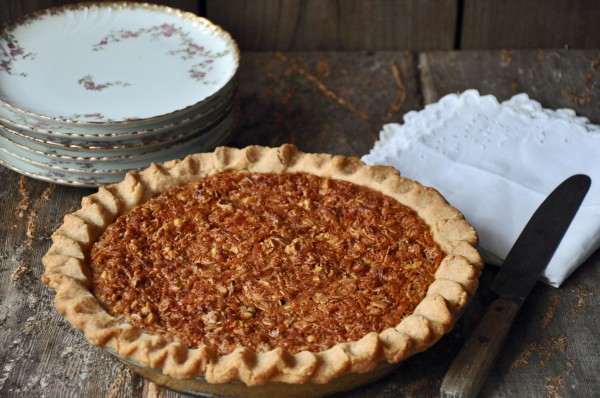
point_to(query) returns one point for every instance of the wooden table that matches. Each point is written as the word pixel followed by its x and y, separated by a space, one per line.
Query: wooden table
pixel 324 102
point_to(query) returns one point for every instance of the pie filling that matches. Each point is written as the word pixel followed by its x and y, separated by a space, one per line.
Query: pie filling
pixel 265 260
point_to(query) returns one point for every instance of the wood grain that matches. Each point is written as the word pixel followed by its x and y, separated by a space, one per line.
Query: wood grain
pixel 40 352
pixel 323 101
pixel 337 25
pixel 269 25
pixel 544 75
pixel 515 24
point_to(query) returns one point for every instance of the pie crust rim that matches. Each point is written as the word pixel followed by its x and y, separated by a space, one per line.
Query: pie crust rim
pixel 455 281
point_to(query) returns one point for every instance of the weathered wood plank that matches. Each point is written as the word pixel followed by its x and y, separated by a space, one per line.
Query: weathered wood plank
pixel 337 25
pixel 514 24
pixel 556 78
pixel 41 353
pixel 386 24
pixel 323 101
pixel 550 349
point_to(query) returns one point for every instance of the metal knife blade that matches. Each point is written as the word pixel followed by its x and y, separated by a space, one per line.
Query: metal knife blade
pixel 540 238
pixel 524 264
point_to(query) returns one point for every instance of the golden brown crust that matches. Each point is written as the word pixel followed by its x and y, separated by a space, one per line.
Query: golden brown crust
pixel 67 272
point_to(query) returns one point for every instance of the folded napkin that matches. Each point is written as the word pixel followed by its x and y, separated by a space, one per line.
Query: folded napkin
pixel 496 162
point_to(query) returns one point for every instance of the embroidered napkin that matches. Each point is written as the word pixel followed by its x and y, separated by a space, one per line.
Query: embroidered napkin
pixel 496 162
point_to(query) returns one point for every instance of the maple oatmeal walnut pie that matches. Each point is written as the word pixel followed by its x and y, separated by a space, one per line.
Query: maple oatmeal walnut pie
pixel 263 264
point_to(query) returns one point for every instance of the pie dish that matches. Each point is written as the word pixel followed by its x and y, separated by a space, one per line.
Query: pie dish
pixel 263 266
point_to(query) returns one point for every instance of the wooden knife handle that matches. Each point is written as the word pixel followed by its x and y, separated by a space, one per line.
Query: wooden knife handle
pixel 470 368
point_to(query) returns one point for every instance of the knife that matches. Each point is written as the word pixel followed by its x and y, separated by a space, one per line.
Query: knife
pixel 524 264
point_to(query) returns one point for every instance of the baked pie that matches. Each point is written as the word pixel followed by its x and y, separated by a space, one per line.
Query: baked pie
pixel 263 265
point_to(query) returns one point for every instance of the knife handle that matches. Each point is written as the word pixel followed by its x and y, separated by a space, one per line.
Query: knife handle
pixel 470 368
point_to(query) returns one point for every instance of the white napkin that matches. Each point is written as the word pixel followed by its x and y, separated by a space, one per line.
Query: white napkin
pixel 496 162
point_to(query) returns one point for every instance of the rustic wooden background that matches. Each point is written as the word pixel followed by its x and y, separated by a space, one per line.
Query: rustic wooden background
pixel 316 100
pixel 419 25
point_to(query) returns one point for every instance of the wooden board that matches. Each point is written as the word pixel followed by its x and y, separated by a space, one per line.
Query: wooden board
pixel 496 24
pixel 323 101
pixel 544 75
pixel 269 25
pixel 335 25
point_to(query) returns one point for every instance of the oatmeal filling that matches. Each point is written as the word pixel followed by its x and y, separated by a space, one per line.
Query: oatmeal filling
pixel 265 260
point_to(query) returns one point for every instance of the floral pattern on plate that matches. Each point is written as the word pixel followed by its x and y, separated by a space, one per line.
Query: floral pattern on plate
pixel 130 61
pixel 89 84
pixel 11 52
pixel 188 47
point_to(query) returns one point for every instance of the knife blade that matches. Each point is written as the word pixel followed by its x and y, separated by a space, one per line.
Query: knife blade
pixel 526 261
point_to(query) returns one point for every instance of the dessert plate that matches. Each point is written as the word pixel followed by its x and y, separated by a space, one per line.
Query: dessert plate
pixel 117 130
pixel 84 174
pixel 109 160
pixel 105 133
pixel 112 63
pixel 81 148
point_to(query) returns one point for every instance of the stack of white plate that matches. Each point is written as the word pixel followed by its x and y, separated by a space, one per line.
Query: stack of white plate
pixel 90 91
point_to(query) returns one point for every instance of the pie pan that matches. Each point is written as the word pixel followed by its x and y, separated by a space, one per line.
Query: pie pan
pixel 198 386
pixel 438 285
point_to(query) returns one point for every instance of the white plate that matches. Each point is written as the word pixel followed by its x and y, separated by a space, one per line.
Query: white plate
pixel 61 145
pixel 110 158
pixel 50 130
pixel 15 158
pixel 110 63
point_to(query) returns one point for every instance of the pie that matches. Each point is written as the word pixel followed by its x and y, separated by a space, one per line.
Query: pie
pixel 263 265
